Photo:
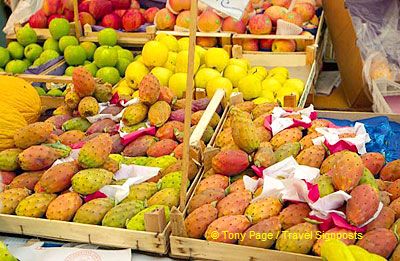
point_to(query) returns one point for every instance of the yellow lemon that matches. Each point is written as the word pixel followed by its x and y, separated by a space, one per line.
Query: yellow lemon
pixel 271 84
pixel 134 74
pixel 154 53
pixel 171 42
pixel 204 75
pixel 250 87
pixel 183 44
pixel 216 58
pixel 295 83
pixel 162 74
pixel 241 62
pixel 259 71
pixel 182 62
pixel 278 70
pixel 177 83
pixel 219 83
pixel 234 73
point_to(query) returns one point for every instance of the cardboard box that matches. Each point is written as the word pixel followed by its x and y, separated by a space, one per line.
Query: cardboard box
pixel 353 92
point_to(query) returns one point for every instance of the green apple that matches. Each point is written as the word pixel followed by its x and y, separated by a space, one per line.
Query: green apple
pixel 86 62
pixel 51 44
pixel 59 27
pixel 75 55
pixel 108 37
pixel 28 62
pixel 33 51
pixel 37 62
pixel 90 48
pixel 16 50
pixel 92 68
pixel 55 93
pixel 26 36
pixel 48 55
pixel 67 41
pixel 69 70
pixel 109 75
pixel 117 47
pixel 105 56
pixel 40 91
pixel 123 53
pixel 4 56
pixel 122 64
pixel 16 66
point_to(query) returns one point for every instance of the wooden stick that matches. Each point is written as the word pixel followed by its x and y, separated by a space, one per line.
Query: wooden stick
pixel 188 104
pixel 41 78
pixel 78 27
pixel 177 223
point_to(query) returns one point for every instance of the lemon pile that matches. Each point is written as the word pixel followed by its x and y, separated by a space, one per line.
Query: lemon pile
pixel 167 59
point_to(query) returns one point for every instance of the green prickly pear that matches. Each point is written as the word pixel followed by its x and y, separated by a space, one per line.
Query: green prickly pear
pixel 118 215
pixel 76 124
pixel 34 205
pixel 89 181
pixel 325 186
pixel 287 150
pixel 171 180
pixel 141 191
pixel 137 222
pixel 9 159
pixel 368 178
pixel 168 197
pixel 93 211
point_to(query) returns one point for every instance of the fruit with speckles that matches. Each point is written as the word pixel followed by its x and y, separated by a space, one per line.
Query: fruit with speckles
pixel 149 89
pixel 380 241
pixel 159 113
pixel 34 205
pixel 26 180
pixel 285 136
pixel 33 134
pixel 134 114
pixel 263 209
pixel 37 157
pixel 312 156
pixel 95 152
pixel 58 177
pixel 347 171
pixel 205 197
pixel 325 186
pixel 294 214
pixel 363 204
pixel 84 83
pixel 9 159
pixel 88 106
pixel 92 212
pixel 270 227
pixel 346 236
pixel 213 181
pixel 137 222
pixel 373 161
pixel 118 215
pixel 9 199
pixel 265 155
pixel 230 162
pixel 287 150
pixel 162 148
pixel 71 137
pixel 88 181
pixel 197 222
pixel 64 207
pixel 297 242
pixel 244 132
pixel 141 191
pixel 231 224
pixel 385 219
pixel 307 142
pixel 234 204
pixel 391 171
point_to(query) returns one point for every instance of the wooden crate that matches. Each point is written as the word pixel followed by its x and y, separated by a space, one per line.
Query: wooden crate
pixel 125 39
pixel 188 248
pixel 42 33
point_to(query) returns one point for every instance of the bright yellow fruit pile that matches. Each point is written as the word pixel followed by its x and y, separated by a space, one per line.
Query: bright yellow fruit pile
pixel 167 59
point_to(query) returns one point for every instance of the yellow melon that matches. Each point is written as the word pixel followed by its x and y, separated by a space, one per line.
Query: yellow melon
pixel 20 94
pixel 11 120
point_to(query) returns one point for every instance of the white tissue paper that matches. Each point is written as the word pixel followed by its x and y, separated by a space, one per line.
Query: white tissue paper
pixel 280 121
pixel 71 157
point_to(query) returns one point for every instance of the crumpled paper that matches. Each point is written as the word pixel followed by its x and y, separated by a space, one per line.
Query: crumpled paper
pixel 279 121
pixel 330 137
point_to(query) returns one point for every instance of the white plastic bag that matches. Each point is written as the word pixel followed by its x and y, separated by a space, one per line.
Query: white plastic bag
pixel 25 9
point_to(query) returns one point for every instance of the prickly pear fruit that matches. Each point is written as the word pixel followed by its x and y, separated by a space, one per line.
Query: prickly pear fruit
pixel 230 162
pixel 139 146
pixel 111 165
pixel 72 100
pixel 33 134
pixel 37 157
pixel 263 108
pixel 71 137
pixel 167 131
pixel 325 186
pixel 141 191
pixel 391 171
pixel 9 199
pixel 5 255
pixel 232 224
pixel 234 203
pixel 224 138
pixel 380 241
pixel 265 156
pixel 245 134
pixel 385 219
pixel 149 89
pixel 394 190
pixel 294 239
pixel 363 204
pixel 285 136
pixel 373 161
pixel 168 197
pixel 89 181
pixel 93 211
pixel 247 106
pixel 95 152
pixel 215 119
pixel 159 113
pixel 395 206
pixel 162 148
pixel 6 177
pixel 196 223
pixel 347 171
pixel 105 125
pixel 84 84
pixel 307 142
pixel 318 123
pixel 26 180
pixel 118 215
pixel 103 92
pixel 384 197
pixel 58 120
pixel 137 222
pixel 346 236
pixel 34 205
pixel 213 181
pixel 9 159
pixel 287 150
pixel 64 207
pixel 312 156
pixel 368 178
pixel 177 166
pixel 336 250
pixel 263 209
pixel 134 114
pixel 76 124
pixel 88 106
pixel 205 197
pixel 166 95
pixel 171 180
pixel 329 162
pixel 294 214
pixel 58 177
pixel 162 162
pixel 263 234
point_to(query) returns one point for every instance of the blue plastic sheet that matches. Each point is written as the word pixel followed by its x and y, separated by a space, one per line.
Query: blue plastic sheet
pixel 385 135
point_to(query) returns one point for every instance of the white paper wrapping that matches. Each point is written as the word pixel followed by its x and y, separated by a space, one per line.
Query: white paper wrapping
pixel 281 122
pixel 72 156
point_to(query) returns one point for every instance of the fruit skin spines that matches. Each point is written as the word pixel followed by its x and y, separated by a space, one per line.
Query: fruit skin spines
pixel 149 89
pixel 88 181
pixel 137 222
pixel 58 177
pixel 95 152
pixel 37 157
pixel 297 244
pixel 118 215
pixel 230 162
pixel 92 212
pixel 380 241
pixel 373 161
pixel 9 159
pixel 312 156
pixel 234 203
pixel 288 135
pixel 391 171
pixel 244 132
pixel 84 83
pixel 294 214
pixel 9 199
pixel 196 223
pixel 362 205
pixel 270 226
pixel 232 224
pixel 64 207
pixel 34 205
pixel 347 171
pixel 263 209
pixel 33 134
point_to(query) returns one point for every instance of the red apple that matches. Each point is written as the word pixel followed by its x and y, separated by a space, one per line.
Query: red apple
pixel 38 20
pixel 68 4
pixel 301 44
pixel 284 3
pixel 84 6
pixel 150 13
pixel 121 4
pixel 111 21
pixel 231 25
pixel 260 24
pixel 283 45
pixel 164 19
pixel 69 14
pixel 275 12
pixel 207 42
pixel 86 18
pixel 266 44
pixel 305 10
pixel 293 18
pixel 132 20
pixel 52 7
pixel 250 44
pixel 99 8
pixel 176 6
pixel 209 21
pixel 51 17
pixel 135 4
pixel 120 12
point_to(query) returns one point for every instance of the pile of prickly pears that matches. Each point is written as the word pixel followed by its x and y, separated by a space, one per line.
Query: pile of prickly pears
pixel 58 166
pixel 226 209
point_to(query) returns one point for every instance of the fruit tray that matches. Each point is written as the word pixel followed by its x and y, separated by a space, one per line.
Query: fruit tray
pixel 300 65
pixel 125 39
pixel 190 248
pixel 42 33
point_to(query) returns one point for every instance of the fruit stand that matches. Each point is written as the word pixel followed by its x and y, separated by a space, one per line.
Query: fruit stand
pixel 187 129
